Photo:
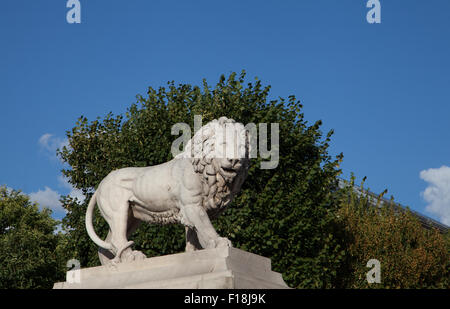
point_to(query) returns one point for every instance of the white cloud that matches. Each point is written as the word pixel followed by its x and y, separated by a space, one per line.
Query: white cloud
pixel 50 198
pixel 75 193
pixel 50 144
pixel 437 194
pixel 47 198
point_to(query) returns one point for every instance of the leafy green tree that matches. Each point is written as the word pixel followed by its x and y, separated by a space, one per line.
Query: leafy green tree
pixel 28 244
pixel 410 255
pixel 286 213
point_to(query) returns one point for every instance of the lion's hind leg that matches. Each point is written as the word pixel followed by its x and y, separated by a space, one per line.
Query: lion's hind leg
pixel 120 240
pixel 106 256
pixel 133 224
pixel 118 233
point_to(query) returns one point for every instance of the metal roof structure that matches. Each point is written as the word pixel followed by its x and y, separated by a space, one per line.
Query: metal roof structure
pixel 427 222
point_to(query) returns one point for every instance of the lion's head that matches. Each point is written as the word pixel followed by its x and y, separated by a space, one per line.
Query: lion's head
pixel 219 154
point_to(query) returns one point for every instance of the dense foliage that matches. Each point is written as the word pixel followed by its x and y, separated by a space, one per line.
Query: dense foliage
pixel 283 213
pixel 410 256
pixel 28 246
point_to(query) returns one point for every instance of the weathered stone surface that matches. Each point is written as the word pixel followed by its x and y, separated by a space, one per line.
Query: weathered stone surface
pixel 217 268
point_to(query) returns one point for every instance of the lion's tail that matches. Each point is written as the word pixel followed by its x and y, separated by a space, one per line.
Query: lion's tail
pixel 90 227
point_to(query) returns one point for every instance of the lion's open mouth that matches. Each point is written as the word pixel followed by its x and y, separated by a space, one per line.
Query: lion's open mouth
pixel 228 168
pixel 227 173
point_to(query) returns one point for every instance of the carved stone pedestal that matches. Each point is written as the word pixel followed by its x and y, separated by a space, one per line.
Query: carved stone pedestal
pixel 219 268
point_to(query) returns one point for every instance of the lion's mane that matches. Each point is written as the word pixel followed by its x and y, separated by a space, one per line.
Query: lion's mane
pixel 219 185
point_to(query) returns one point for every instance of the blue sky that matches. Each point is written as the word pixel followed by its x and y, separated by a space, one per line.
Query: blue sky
pixel 384 88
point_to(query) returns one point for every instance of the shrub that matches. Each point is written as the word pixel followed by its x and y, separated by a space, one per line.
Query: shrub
pixel 410 255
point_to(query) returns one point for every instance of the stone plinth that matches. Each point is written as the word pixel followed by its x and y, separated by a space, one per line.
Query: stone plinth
pixel 219 268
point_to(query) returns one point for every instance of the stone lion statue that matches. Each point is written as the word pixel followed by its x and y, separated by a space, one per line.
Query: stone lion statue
pixel 198 184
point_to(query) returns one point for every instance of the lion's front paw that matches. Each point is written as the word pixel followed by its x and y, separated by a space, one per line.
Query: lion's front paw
pixel 223 242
